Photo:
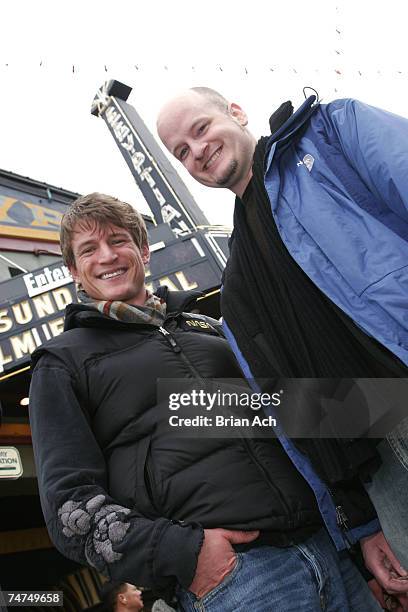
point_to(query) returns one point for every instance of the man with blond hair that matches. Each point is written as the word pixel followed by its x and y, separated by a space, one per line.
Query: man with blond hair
pixel 229 524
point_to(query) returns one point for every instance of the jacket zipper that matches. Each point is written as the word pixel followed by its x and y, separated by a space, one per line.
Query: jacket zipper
pixel 177 349
pixel 341 516
pixel 341 519
pixel 342 522
pixel 267 478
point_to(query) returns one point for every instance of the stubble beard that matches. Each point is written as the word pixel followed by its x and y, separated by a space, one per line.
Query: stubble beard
pixel 229 174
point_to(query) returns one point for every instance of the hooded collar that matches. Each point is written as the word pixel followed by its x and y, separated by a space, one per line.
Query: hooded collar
pixel 295 120
pixel 289 127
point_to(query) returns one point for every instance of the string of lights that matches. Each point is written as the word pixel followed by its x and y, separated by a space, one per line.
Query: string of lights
pixel 76 68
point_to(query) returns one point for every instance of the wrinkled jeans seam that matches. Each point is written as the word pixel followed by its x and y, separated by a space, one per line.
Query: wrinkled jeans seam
pixel 395 444
pixel 313 563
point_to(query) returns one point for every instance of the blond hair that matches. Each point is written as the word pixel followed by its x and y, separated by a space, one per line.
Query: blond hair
pixel 98 209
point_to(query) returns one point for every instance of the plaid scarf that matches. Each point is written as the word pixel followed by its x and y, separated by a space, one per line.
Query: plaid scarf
pixel 153 311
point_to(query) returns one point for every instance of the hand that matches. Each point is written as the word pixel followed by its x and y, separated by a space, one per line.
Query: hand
pixel 398 603
pixel 217 558
pixel 377 592
pixel 384 565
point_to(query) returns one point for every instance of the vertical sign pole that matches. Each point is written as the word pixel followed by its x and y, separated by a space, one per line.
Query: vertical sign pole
pixel 166 194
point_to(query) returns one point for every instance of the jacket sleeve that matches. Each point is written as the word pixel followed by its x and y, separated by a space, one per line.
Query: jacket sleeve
pixel 83 521
pixel 375 142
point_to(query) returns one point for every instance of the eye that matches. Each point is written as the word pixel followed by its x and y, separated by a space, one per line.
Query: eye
pixel 183 153
pixel 118 241
pixel 201 128
pixel 87 250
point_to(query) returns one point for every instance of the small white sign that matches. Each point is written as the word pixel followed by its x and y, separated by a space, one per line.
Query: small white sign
pixel 47 280
pixel 10 463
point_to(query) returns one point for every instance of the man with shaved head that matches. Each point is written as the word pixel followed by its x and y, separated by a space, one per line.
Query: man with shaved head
pixel 227 160
pixel 317 281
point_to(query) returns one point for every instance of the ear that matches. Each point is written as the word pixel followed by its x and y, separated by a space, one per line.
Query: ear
pixel 74 273
pixel 238 114
pixel 122 598
pixel 145 253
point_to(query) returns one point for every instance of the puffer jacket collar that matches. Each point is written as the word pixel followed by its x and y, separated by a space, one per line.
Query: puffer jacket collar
pixel 80 315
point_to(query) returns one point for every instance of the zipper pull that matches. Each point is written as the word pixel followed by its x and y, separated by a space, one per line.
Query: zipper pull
pixel 341 517
pixel 170 339
pixel 342 522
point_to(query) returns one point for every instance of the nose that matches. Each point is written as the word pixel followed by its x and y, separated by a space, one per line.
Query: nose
pixel 106 253
pixel 198 149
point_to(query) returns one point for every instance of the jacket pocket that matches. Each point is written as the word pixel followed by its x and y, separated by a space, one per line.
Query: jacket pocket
pixel 146 498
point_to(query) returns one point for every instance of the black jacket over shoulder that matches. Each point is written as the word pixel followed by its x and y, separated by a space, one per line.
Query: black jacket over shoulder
pixel 118 491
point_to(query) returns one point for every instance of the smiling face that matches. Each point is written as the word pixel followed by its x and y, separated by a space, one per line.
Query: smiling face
pixel 212 143
pixel 108 264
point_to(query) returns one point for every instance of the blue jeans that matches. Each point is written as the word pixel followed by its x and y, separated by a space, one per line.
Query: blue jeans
pixel 389 491
pixel 308 577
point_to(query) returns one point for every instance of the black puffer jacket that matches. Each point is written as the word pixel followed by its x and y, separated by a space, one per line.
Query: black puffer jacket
pixel 118 491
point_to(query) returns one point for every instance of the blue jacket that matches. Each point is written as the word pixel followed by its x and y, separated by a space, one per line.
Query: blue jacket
pixel 339 196
pixel 339 199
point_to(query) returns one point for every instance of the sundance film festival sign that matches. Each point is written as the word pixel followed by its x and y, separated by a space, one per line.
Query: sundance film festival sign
pixel 25 324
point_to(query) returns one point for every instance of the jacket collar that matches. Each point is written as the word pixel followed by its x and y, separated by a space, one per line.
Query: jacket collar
pixel 289 127
pixel 80 315
pixel 178 301
pixel 296 120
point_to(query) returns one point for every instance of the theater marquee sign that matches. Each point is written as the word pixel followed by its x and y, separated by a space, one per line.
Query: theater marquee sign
pixel 29 320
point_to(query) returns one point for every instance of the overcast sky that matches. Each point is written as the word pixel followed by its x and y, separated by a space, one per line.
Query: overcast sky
pixel 55 54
